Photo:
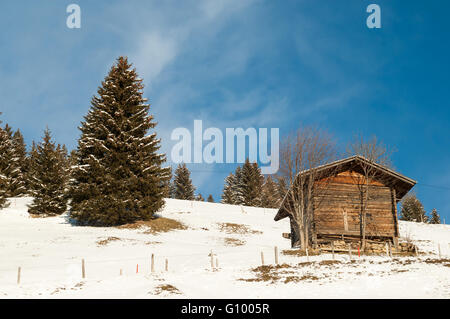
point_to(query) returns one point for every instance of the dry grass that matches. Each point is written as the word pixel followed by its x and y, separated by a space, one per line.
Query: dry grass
pixel 41 215
pixel 153 242
pixel 272 274
pixel 106 241
pixel 399 270
pixel 299 252
pixel 444 261
pixel 266 273
pixel 403 254
pixel 231 228
pixel 167 288
pixel 305 263
pixel 156 225
pixel 329 262
pixel 233 242
pixel 302 278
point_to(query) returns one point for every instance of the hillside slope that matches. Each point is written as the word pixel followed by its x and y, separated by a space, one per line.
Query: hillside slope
pixel 49 252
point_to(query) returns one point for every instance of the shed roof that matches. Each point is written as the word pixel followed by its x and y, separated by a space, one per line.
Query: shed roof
pixel 399 182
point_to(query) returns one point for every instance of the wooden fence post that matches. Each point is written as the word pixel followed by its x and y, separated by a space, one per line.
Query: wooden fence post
pixel 212 260
pixel 276 255
pixel 167 264
pixel 83 269
pixel 18 275
pixel 262 258
pixel 153 263
pixel 217 263
pixel 439 250
pixel 332 248
pixel 387 249
pixel 121 272
pixel 415 250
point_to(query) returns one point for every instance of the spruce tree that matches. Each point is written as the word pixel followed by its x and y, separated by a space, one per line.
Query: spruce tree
pixel 183 183
pixel 228 196
pixel 210 199
pixel 270 197
pixel 29 174
pixel 119 176
pixel 168 185
pixel 48 182
pixel 412 209
pixel 238 188
pixel 252 181
pixel 435 218
pixel 199 198
pixel 9 131
pixel 19 187
pixel 5 147
pixel 9 166
pixel 258 183
pixel 171 186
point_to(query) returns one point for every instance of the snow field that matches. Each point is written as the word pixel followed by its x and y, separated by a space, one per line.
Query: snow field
pixel 49 252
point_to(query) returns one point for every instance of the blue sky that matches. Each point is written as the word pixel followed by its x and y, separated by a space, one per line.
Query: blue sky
pixel 245 63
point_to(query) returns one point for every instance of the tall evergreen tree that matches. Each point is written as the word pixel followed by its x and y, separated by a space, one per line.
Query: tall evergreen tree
pixel 238 188
pixel 199 198
pixel 228 196
pixel 19 187
pixel 245 186
pixel 119 176
pixel 412 209
pixel 9 131
pixel 252 181
pixel 48 182
pixel 30 170
pixel 210 199
pixel 183 183
pixel 9 165
pixel 5 147
pixel 270 195
pixel 258 184
pixel 168 185
pixel 435 218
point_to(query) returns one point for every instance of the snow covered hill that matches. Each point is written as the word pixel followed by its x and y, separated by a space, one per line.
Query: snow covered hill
pixel 49 252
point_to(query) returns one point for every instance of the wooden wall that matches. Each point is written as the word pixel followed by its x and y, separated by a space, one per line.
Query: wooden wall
pixel 337 206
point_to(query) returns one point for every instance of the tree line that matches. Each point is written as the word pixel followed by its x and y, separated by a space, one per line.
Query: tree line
pixel 116 174
pixel 412 210
pixel 42 173
pixel 246 186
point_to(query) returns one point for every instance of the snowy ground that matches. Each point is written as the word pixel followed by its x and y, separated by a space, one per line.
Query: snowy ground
pixel 49 252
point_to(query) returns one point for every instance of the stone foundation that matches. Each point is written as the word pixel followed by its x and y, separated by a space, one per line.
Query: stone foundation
pixel 372 247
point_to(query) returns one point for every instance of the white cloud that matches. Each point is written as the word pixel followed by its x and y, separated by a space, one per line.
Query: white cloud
pixel 154 53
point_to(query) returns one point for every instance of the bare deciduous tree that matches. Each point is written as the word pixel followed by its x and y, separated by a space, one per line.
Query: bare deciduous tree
pixel 303 151
pixel 374 151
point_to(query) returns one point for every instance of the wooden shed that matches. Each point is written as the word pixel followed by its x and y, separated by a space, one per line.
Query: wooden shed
pixel 336 209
